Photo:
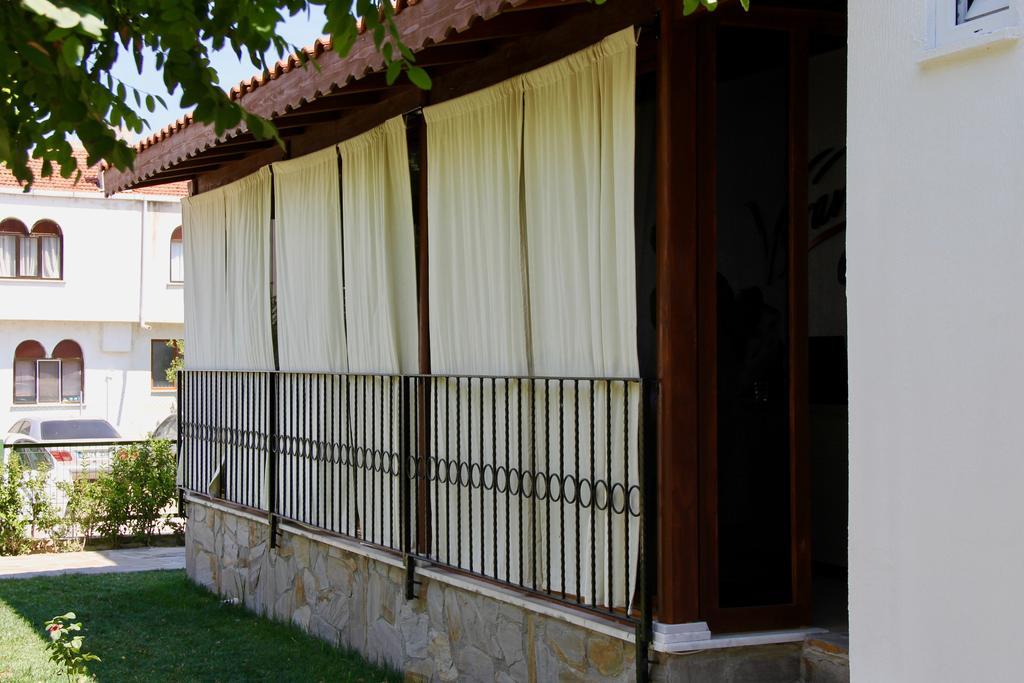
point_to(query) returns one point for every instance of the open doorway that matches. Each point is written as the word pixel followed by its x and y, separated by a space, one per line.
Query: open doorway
pixel 774 452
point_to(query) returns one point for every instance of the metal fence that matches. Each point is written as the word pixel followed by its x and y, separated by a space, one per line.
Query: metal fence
pixel 60 464
pixel 536 483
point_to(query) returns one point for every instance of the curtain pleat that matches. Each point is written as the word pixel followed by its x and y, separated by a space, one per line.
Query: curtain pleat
pixel 203 225
pixel 8 255
pixel 49 247
pixel 249 335
pixel 308 253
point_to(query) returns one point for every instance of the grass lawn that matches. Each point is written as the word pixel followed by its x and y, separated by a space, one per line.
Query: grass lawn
pixel 157 626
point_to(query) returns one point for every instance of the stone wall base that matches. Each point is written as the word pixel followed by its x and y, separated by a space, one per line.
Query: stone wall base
pixel 447 633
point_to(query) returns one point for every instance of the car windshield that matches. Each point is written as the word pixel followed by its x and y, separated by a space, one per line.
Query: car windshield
pixel 54 430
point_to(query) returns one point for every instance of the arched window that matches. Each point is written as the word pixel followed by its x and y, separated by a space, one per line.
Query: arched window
pixel 72 369
pixel 177 256
pixel 47 261
pixel 26 356
pixel 12 232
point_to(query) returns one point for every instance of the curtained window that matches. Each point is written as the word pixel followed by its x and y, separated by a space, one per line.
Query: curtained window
pixel 177 253
pixel 12 231
pixel 25 357
pixel 346 302
pixel 226 235
pixel 72 367
pixel 43 254
pixel 532 272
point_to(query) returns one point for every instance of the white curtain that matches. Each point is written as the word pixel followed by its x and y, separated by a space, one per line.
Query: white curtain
pixel 532 271
pixel 578 155
pixel 8 254
pixel 478 325
pixel 247 226
pixel 380 265
pixel 177 261
pixel 49 247
pixel 311 332
pixel 247 329
pixel 29 257
pixel 380 305
pixel 309 268
pixel 203 225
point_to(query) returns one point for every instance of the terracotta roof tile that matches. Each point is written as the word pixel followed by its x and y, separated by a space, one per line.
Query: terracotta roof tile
pixel 89 182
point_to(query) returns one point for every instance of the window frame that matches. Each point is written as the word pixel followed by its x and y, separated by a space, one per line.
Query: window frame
pixel 9 226
pixel 177 235
pixel 60 381
pixel 51 228
pixel 948 34
pixel 154 344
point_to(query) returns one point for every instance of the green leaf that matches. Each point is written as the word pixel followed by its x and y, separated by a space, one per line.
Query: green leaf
pixel 394 68
pixel 72 51
pixel 419 77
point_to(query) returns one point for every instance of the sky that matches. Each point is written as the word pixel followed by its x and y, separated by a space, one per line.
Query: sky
pixel 301 30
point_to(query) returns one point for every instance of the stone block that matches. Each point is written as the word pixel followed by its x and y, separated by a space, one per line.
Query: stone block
pixel 474 664
pixel 606 654
pixel 510 640
pixel 567 643
pixel 415 629
pixel 384 644
pixel 300 617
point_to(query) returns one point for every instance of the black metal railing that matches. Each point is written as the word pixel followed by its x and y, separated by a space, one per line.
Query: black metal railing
pixel 538 483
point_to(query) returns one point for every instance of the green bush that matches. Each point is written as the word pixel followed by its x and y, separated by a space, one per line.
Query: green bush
pixel 24 507
pixel 132 496
pixel 82 514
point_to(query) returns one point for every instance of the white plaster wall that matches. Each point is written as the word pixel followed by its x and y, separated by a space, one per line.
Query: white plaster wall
pixel 117 384
pixel 936 259
pixel 110 257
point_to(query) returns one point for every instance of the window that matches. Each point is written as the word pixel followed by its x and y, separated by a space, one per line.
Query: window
pixel 69 430
pixel 71 370
pixel 49 253
pixel 48 381
pixel 177 256
pixel 12 232
pixel 961 23
pixel 26 356
pixel 972 10
pixel 162 354
pixel 35 254
pixel 58 379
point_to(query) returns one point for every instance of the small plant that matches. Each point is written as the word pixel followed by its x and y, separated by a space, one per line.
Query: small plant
pixel 82 514
pixel 65 646
pixel 13 524
pixel 140 484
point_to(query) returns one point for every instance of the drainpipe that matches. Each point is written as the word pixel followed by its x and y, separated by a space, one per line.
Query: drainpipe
pixel 142 264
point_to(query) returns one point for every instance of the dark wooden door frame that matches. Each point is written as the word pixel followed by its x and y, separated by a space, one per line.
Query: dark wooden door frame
pixel 797 612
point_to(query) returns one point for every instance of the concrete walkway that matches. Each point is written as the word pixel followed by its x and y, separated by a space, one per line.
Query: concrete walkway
pixel 92 562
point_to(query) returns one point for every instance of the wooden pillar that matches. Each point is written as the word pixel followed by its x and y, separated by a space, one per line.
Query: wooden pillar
pixel 677 296
pixel 423 386
pixel 800 487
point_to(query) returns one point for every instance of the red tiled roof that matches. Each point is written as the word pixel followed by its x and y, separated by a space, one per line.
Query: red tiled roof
pixel 88 182
pixel 431 26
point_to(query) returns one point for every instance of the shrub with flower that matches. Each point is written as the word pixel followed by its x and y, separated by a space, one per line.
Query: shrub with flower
pixel 65 646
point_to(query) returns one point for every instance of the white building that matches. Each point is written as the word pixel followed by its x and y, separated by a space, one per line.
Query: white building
pixel 90 291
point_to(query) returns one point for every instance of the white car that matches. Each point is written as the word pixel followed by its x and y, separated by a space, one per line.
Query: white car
pixel 79 456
